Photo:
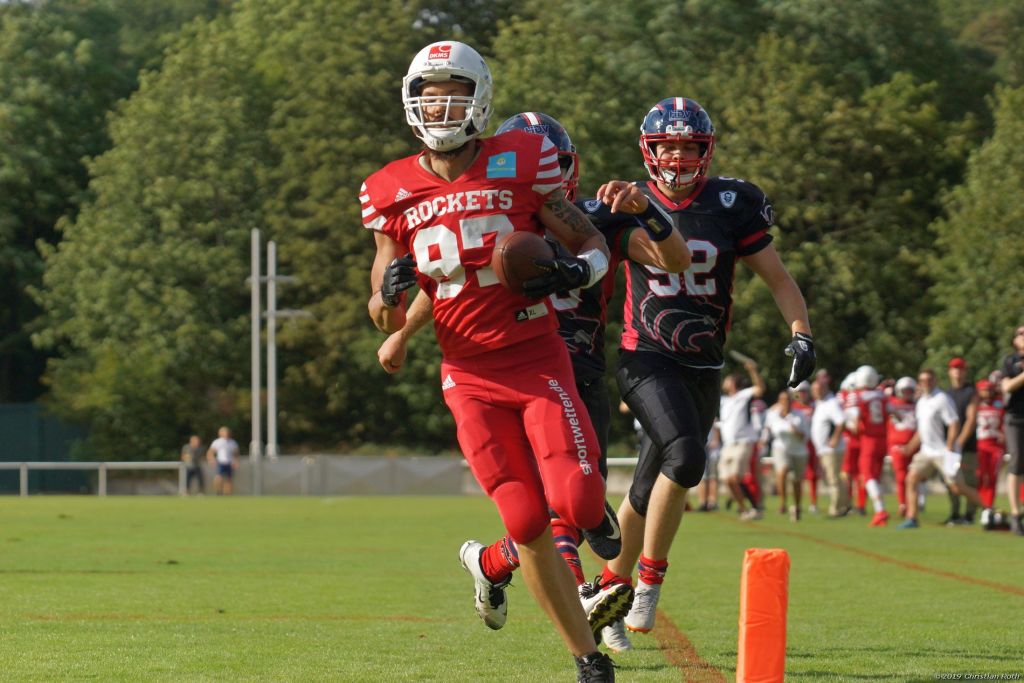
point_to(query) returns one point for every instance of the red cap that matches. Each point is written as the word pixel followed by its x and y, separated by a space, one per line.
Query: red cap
pixel 958 362
pixel 983 385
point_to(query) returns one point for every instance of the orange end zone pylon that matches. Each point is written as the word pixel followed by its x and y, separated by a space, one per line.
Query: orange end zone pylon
pixel 764 596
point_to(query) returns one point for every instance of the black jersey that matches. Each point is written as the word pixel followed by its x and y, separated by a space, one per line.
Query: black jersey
pixel 686 316
pixel 583 313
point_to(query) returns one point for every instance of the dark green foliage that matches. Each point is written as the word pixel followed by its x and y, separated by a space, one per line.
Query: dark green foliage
pixel 855 117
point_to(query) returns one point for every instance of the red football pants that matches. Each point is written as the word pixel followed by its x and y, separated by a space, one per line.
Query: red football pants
pixel 526 435
pixel 900 466
pixel 872 455
pixel 990 455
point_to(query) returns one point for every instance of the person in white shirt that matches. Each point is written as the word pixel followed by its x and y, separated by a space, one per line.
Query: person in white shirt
pixel 738 433
pixel 827 424
pixel 224 453
pixel 789 430
pixel 935 442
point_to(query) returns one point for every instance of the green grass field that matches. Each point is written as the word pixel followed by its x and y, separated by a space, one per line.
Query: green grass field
pixel 370 589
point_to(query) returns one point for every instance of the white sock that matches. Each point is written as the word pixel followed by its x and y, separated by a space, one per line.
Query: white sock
pixel 875 491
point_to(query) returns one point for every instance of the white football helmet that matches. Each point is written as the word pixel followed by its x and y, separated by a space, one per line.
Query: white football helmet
pixel 849 383
pixel 447 60
pixel 866 377
pixel 905 384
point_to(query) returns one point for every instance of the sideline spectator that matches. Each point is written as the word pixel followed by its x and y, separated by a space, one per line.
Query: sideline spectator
pixel 964 398
pixel 868 426
pixel 986 421
pixel 789 431
pixel 192 456
pixel 707 489
pixel 738 434
pixel 851 458
pixel 803 401
pixel 1013 387
pixel 224 453
pixel 902 423
pixel 827 435
pixel 937 431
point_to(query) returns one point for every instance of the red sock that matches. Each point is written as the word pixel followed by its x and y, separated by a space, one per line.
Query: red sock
pixel 500 559
pixel 651 571
pixel 567 541
pixel 862 495
pixel 608 577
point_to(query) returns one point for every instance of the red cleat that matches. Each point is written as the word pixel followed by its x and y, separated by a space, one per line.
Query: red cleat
pixel 881 518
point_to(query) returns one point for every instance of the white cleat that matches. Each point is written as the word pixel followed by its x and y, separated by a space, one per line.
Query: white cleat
pixel 641 617
pixel 491 603
pixel 615 637
pixel 604 605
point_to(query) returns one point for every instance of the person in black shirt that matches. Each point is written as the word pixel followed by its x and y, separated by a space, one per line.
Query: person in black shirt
pixel 1013 387
pixel 964 396
pixel 675 328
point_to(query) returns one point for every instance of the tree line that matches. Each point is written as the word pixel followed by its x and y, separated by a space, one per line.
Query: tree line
pixel 141 145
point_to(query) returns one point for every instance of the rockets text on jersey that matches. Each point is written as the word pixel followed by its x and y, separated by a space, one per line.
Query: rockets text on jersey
pixel 452 227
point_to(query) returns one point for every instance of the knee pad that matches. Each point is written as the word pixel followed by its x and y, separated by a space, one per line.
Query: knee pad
pixel 685 459
pixel 524 513
pixel 639 501
pixel 580 502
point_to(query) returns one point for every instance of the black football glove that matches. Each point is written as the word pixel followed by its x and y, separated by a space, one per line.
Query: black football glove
pixel 560 275
pixel 399 276
pixel 801 350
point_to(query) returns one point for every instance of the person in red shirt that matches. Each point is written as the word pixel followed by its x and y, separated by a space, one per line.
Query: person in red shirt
pixel 851 458
pixel 507 378
pixel 985 419
pixel 869 424
pixel 901 425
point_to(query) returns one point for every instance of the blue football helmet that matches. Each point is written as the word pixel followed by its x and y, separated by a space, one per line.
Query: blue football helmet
pixel 542 124
pixel 674 119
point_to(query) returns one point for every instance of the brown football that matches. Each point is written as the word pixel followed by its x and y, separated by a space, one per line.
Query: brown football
pixel 513 257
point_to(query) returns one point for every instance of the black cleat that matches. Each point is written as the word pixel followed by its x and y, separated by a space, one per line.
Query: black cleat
pixel 606 539
pixel 595 668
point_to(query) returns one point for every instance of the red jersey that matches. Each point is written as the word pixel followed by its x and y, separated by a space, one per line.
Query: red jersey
pixel 990 421
pixel 870 406
pixel 902 421
pixel 451 228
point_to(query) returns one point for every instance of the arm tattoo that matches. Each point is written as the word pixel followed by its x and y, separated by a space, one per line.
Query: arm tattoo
pixel 567 212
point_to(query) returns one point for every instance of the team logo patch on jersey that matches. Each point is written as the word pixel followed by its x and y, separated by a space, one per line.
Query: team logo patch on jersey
pixel 502 165
pixel 440 52
pixel 402 194
pixel 591 205
pixel 728 198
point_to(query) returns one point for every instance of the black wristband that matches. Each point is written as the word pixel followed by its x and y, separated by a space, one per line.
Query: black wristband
pixel 656 223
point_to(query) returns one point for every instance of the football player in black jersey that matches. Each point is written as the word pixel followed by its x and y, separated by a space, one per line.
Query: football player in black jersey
pixel 635 229
pixel 674 333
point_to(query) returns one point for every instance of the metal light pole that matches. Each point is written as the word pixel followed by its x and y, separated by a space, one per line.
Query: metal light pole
pixel 256 445
pixel 272 315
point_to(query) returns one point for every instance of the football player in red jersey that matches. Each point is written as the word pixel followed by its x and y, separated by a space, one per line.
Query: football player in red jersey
pixel 675 328
pixel 507 378
pixel 902 423
pixel 637 230
pixel 851 458
pixel 868 424
pixel 985 419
